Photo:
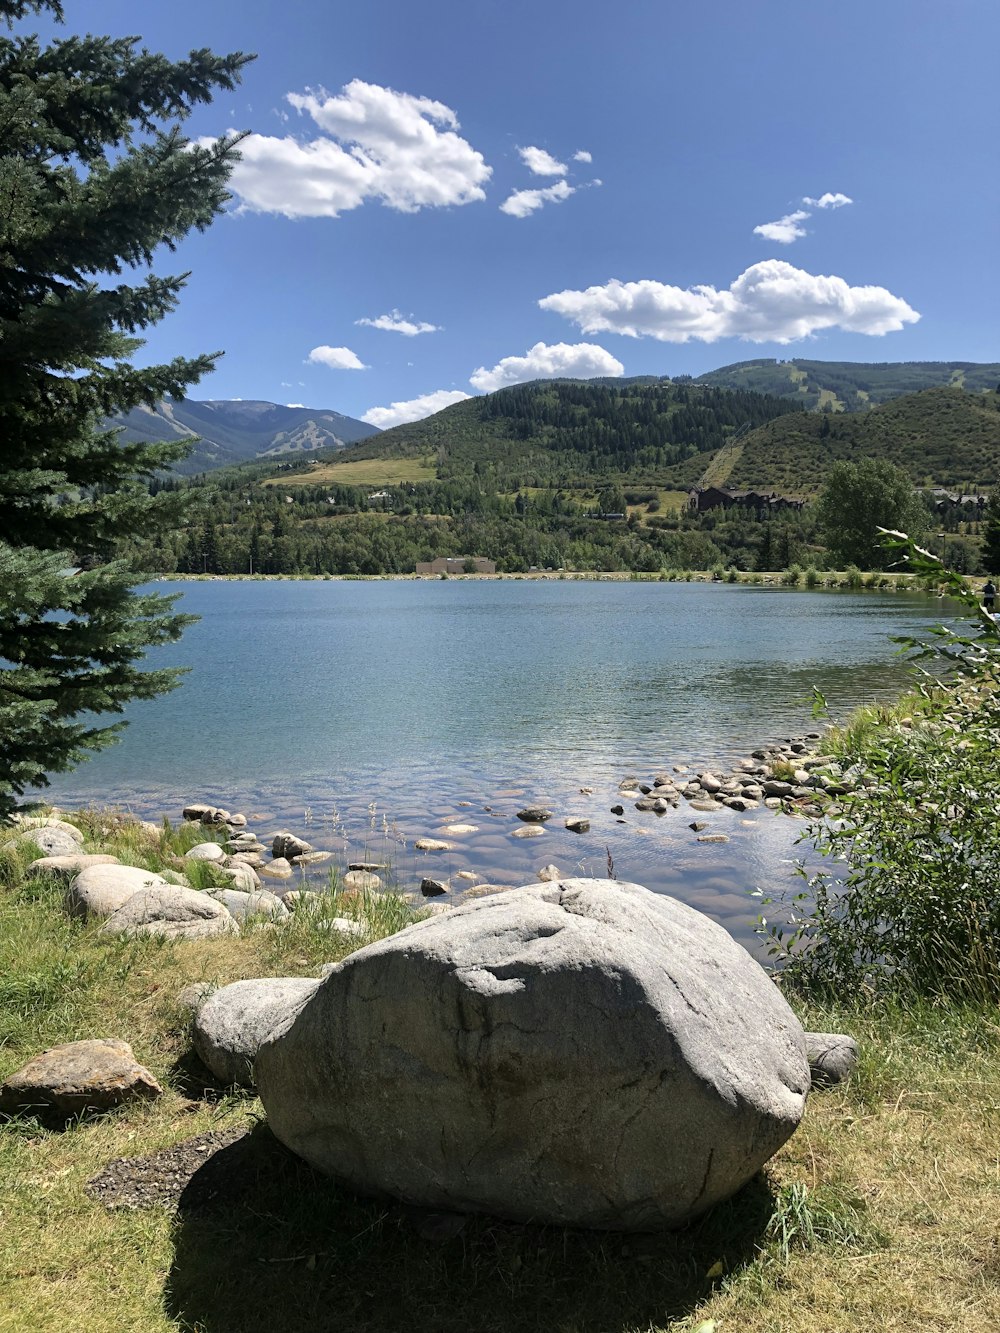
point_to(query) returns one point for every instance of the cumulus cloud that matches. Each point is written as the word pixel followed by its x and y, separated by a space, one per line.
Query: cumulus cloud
pixel 413 410
pixel 785 230
pixel 770 302
pixel 375 144
pixel 524 202
pixel 336 358
pixel 541 163
pixel 394 322
pixel 828 201
pixel 542 362
pixel 583 156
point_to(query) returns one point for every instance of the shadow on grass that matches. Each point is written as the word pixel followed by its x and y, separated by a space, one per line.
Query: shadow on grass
pixel 262 1243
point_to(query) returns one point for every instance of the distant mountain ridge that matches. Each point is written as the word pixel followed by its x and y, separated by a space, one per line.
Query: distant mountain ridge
pixel 240 430
pixel 850 386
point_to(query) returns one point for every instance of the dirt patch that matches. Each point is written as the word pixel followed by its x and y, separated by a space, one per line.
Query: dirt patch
pixel 159 1180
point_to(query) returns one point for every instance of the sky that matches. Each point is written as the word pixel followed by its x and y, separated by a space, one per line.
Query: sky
pixel 438 199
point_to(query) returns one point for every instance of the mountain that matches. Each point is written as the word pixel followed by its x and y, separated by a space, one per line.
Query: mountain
pixel 942 437
pixel 573 432
pixel 241 430
pixel 851 386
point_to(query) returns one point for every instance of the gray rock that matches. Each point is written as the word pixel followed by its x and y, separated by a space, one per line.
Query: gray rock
pixel 25 822
pixel 102 889
pixel 713 837
pixel 576 824
pixel 288 845
pixel 433 845
pixel 528 831
pixel 431 888
pixel 173 913
pixel 242 905
pixel 50 840
pixel 196 811
pixel 68 867
pixel 774 787
pixel 311 858
pixel 583 1053
pixel 343 925
pixel 373 867
pixel 706 807
pixel 205 851
pixel 279 868
pixel 361 881
pixel 231 1024
pixel 80 1076
pixel 832 1056
pixel 548 874
pixel 244 877
pixel 534 814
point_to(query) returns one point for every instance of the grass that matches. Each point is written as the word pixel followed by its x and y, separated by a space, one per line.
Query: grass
pixel 379 472
pixel 883 1211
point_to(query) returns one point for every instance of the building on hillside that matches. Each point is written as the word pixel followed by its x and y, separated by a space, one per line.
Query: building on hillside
pixel 701 499
pixel 457 564
pixel 944 501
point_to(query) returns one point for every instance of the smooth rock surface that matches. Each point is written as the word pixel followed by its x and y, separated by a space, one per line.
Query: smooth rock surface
pixel 69 866
pixel 242 905
pixel 102 889
pixel 833 1057
pixel 229 1027
pixel 80 1076
pixel 206 851
pixel 583 1053
pixel 51 840
pixel 288 845
pixel 172 912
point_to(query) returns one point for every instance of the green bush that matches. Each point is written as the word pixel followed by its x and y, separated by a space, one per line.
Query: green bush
pixel 911 901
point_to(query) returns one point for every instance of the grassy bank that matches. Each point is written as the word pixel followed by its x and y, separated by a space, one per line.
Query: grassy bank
pixel 882 1212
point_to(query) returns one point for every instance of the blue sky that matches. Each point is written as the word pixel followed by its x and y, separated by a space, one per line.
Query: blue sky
pixel 568 186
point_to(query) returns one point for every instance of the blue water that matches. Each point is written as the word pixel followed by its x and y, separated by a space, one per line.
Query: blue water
pixel 367 712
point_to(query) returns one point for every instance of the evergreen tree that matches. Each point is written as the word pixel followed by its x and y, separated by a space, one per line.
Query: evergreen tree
pixel 95 176
pixel 991 535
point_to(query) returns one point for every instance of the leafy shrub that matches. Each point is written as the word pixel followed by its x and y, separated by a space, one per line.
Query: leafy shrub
pixel 912 902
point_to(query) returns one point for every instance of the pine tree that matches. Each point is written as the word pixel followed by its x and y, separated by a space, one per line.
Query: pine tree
pixel 95 176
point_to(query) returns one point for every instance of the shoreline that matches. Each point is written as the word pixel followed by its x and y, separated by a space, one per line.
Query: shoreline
pixel 876 581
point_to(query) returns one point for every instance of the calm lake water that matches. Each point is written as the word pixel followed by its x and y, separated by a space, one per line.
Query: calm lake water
pixel 364 715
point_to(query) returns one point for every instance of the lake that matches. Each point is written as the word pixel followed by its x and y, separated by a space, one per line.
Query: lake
pixel 364 715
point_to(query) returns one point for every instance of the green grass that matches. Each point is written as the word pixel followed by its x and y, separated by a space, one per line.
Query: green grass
pixel 377 472
pixel 881 1212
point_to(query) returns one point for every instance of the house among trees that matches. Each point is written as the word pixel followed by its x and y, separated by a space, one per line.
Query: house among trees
pixel 701 499
pixel 457 564
pixel 945 501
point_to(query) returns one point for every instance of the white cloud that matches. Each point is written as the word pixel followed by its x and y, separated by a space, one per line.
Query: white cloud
pixel 785 230
pixel 828 201
pixel 541 163
pixel 394 322
pixel 337 358
pixel 770 302
pixel 414 410
pixel 583 156
pixel 558 361
pixel 377 144
pixel 523 202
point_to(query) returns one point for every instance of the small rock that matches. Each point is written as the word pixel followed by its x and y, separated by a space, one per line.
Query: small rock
pixel 344 925
pixel 288 845
pixel 50 839
pixel 832 1057
pixel 629 784
pixel 455 830
pixel 197 811
pixel 534 814
pixel 528 831
pixel 205 851
pixel 373 867
pixel 361 881
pixel 431 888
pixel 279 868
pixel 433 845
pixel 469 875
pixel 576 824
pixel 617 809
pixel 244 877
pixel 698 825
pixel 236 821
pixel 549 873
pixel 713 837
pixel 80 1076
pixel 294 897
pixel 311 858
pixel 706 807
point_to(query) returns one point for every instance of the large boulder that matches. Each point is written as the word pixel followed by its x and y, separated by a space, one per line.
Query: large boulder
pixel 99 890
pixel 583 1053
pixel 68 867
pixel 242 905
pixel 80 1076
pixel 171 912
pixel 231 1024
pixel 50 839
